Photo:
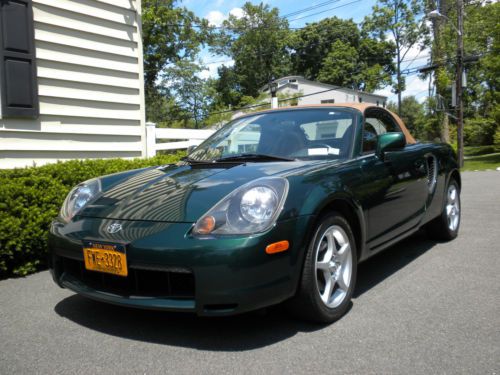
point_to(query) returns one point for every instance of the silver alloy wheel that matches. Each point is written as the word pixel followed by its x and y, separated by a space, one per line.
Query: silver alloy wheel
pixel 333 266
pixel 453 208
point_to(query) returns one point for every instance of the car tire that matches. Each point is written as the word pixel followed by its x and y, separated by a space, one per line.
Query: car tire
pixel 445 227
pixel 331 255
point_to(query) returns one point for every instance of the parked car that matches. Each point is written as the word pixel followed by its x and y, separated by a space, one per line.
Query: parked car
pixel 276 206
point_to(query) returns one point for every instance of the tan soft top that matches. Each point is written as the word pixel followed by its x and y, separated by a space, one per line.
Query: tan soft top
pixel 362 107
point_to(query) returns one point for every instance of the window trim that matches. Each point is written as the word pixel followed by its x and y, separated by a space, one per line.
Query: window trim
pixel 367 113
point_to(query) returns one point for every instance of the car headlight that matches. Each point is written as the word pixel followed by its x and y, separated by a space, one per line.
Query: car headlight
pixel 252 208
pixel 78 197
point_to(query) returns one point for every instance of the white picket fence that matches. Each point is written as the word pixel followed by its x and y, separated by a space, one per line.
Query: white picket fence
pixel 183 138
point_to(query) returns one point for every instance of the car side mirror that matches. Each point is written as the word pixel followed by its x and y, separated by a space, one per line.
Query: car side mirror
pixel 389 142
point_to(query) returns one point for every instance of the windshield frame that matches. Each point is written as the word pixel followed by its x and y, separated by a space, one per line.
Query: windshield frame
pixel 357 121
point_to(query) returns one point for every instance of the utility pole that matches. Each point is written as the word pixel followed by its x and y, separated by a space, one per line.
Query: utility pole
pixel 459 83
pixel 273 88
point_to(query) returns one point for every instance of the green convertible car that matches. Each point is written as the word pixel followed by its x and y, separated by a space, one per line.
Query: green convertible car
pixel 276 206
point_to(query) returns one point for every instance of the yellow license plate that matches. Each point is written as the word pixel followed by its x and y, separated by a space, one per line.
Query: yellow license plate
pixel 105 258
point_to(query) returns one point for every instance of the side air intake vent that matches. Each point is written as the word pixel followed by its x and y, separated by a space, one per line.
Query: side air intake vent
pixel 432 169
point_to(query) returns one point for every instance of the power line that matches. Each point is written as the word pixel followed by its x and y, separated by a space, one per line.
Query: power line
pixel 271 53
pixel 285 17
pixel 324 11
pixel 255 105
pixel 414 59
pixel 310 8
pixel 264 104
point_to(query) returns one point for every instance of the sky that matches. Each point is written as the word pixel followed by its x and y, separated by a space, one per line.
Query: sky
pixel 215 11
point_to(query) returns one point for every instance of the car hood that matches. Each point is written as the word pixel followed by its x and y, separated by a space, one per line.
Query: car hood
pixel 180 193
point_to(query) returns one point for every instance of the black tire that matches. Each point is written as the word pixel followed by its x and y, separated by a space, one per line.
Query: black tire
pixel 441 228
pixel 307 303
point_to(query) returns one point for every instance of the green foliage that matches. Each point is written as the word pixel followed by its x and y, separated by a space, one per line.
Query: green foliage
pixel 413 115
pixel 286 100
pixel 399 19
pixel 257 42
pixel 227 87
pixel 31 197
pixel 479 131
pixel 172 38
pixel 482 37
pixel 192 92
pixel 339 65
pixel 481 150
pixel 496 138
pixel 315 41
pixel 169 36
pixel 337 52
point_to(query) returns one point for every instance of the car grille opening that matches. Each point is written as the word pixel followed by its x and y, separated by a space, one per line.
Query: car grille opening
pixel 138 283
pixel 431 164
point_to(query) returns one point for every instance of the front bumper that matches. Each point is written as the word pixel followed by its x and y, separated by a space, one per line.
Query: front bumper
pixel 229 275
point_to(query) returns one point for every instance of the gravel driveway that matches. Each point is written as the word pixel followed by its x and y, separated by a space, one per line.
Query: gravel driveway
pixel 420 307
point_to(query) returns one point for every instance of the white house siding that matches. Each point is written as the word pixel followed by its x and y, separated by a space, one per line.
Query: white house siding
pixel 340 95
pixel 313 92
pixel 90 85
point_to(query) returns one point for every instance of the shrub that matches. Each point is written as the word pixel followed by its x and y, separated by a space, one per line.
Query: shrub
pixel 479 131
pixel 496 138
pixel 31 197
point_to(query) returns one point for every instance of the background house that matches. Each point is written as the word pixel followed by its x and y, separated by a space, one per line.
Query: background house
pixel 297 85
pixel 71 80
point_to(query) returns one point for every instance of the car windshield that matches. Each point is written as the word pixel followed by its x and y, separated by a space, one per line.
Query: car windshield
pixel 313 133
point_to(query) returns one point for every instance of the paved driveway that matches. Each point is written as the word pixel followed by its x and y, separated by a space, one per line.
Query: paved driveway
pixel 420 307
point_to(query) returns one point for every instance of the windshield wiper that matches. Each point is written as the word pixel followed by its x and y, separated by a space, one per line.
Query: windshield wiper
pixel 194 161
pixel 249 156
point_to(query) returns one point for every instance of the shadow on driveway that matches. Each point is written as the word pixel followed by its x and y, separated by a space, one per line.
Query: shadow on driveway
pixel 381 266
pixel 237 333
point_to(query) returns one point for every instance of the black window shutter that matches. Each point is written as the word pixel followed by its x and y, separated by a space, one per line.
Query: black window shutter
pixel 19 89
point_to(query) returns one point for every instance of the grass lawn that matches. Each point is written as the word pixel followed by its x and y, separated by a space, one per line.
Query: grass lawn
pixel 480 150
pixel 490 161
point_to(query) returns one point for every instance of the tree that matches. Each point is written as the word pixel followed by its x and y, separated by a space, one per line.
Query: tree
pixel 482 31
pixel 171 34
pixel 191 91
pixel 257 42
pixel 413 115
pixel 313 43
pixel 482 48
pixel 227 88
pixel 335 51
pixel 399 19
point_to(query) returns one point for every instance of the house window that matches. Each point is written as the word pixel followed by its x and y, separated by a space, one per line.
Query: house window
pixel 328 101
pixel 18 84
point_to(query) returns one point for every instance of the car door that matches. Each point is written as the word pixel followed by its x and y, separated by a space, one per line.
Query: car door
pixel 396 185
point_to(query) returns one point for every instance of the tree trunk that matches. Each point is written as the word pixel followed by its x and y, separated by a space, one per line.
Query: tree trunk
pixel 398 72
pixel 445 129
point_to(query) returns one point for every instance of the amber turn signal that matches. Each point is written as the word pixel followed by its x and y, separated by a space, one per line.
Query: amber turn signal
pixel 277 247
pixel 206 225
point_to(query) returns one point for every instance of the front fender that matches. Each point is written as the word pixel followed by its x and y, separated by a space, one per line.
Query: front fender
pixel 340 198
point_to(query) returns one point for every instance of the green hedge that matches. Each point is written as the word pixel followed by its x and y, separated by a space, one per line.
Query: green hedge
pixel 31 197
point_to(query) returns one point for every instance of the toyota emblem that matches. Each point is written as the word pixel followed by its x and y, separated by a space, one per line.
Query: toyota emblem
pixel 113 228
